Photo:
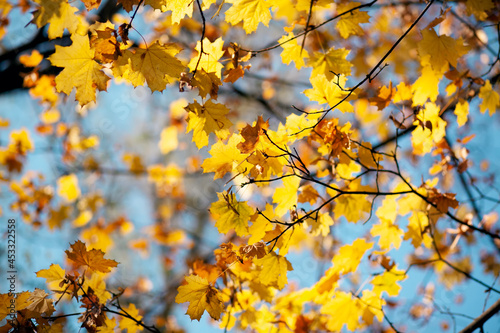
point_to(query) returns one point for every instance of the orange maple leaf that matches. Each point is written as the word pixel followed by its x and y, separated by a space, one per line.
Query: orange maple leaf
pixel 93 259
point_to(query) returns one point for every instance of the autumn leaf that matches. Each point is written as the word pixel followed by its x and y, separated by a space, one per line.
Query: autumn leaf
pixel 209 61
pixel 231 214
pixel 201 296
pixel 80 71
pixel 40 303
pixel 292 51
pixel 224 157
pixel 251 135
pixel 349 24
pixel 491 98
pixel 274 270
pixel 331 64
pixel 388 282
pixel 156 65
pixel 442 50
pixel 128 324
pixel 251 12
pixel 331 92
pixel 287 195
pixel 59 14
pixel 93 259
pixel 205 119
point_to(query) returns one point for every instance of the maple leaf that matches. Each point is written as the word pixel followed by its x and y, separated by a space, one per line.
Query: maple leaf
pixel 54 276
pixel 417 225
pixel 251 134
pixel 331 64
pixel 93 259
pixel 209 61
pixel 390 234
pixel 349 256
pixel 108 327
pixel 292 51
pixel 260 224
pixel 224 158
pixel 426 86
pixel 128 324
pixel 442 50
pixel 353 207
pixel 105 44
pixel 274 270
pixel 201 296
pixel 59 13
pixel 40 303
pixel 430 129
pixel 207 83
pixel 387 282
pixel 254 250
pixel 80 71
pixel 491 99
pixel 331 92
pixel 287 195
pixel 384 97
pixel 20 302
pixel 251 12
pixel 231 214
pixel 205 119
pixel 343 310
pixel 479 8
pixel 156 65
pixel 91 4
pixel 349 24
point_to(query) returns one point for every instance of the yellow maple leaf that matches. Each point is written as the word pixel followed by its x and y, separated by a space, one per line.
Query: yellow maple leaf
pixel 331 92
pixel 348 256
pixel 430 129
pixel 225 157
pixel 93 259
pixel 205 119
pixel 67 187
pixel 231 214
pixel 108 327
pixel 180 8
pixel 390 234
pixel 274 270
pixel 417 225
pixel 479 8
pixel 97 284
pixel 53 276
pixel 342 309
pixel 442 50
pixel 59 14
pixel 128 324
pixel 462 112
pixel 321 225
pixel 387 281
pixel 353 207
pixel 372 307
pixel 331 64
pixel 209 61
pixel 80 71
pixel 201 296
pixel 349 24
pixel 491 99
pixel 286 196
pixel 156 65
pixel 260 224
pixel 251 12
pixel 292 51
pixel 426 86
pixel 20 302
